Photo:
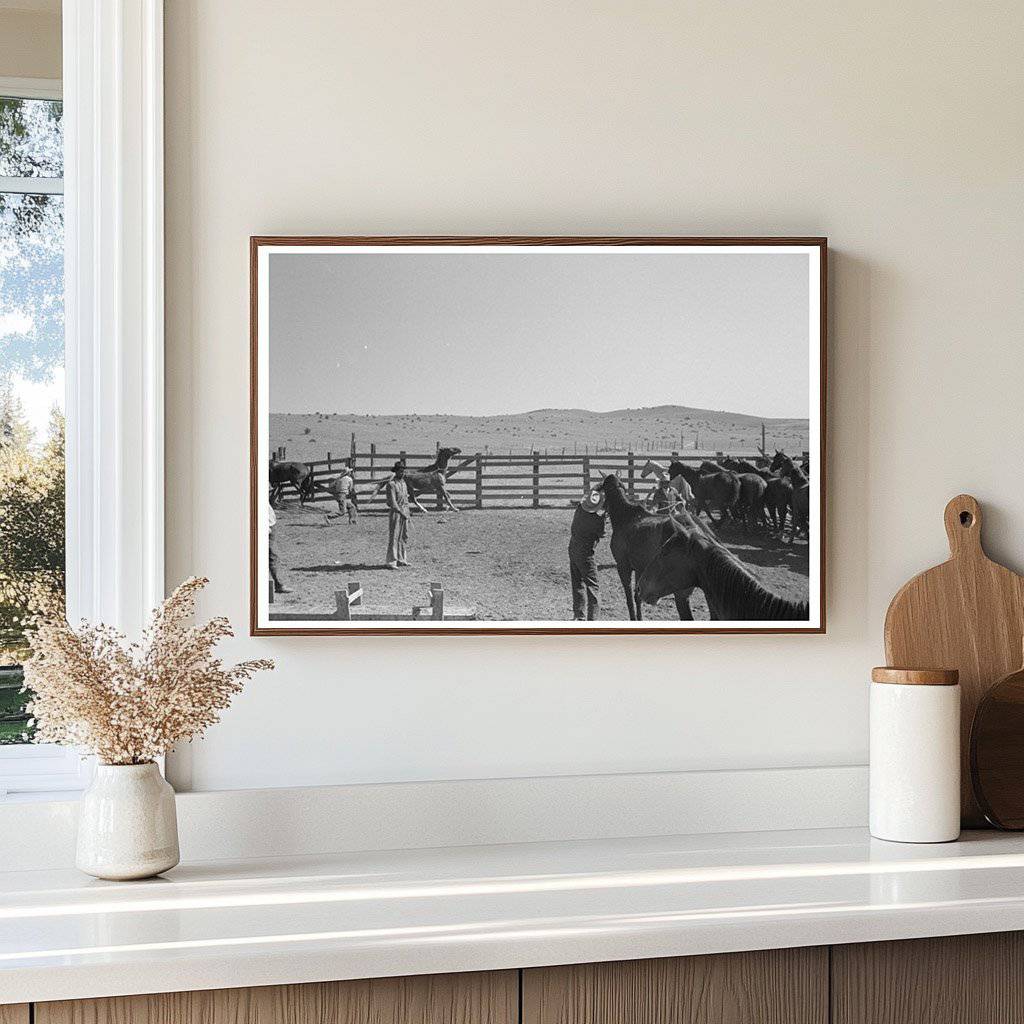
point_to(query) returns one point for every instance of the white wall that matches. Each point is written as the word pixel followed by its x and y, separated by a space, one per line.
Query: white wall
pixel 895 129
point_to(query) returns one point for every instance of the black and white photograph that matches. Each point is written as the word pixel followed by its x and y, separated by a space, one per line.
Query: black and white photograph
pixel 537 435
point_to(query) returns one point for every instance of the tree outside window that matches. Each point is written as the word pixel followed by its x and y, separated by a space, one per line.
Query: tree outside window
pixel 31 385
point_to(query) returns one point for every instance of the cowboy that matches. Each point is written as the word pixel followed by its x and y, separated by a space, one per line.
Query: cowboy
pixel 344 490
pixel 588 523
pixel 399 514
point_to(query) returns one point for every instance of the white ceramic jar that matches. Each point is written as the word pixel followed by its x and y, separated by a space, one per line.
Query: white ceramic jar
pixel 915 755
pixel 127 825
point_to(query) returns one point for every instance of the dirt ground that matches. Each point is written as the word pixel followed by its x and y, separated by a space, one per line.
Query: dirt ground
pixel 510 564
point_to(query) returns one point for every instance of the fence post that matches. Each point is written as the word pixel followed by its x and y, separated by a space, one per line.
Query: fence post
pixel 536 479
pixel 341 602
pixel 586 472
pixel 270 596
pixel 479 480
pixel 329 462
pixel 631 473
pixel 373 457
pixel 352 450
pixel 436 601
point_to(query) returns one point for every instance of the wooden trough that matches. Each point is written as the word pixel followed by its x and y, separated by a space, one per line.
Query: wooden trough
pixel 350 608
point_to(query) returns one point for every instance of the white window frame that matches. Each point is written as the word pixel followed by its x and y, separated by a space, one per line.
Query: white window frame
pixel 114 322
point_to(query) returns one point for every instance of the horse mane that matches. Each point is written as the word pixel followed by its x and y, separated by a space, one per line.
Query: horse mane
pixel 789 468
pixel 736 588
pixel 620 507
pixel 743 466
pixel 689 473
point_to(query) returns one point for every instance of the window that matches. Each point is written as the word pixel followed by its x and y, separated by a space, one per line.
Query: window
pixel 111 160
pixel 32 550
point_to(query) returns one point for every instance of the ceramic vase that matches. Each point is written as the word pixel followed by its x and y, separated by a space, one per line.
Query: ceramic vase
pixel 127 826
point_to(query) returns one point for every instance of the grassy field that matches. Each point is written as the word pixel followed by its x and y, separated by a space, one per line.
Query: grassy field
pixel 310 436
pixel 511 564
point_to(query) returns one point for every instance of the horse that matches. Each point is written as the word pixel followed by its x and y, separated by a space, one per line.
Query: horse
pixel 755 485
pixel 637 537
pixel 692 559
pixel 715 489
pixel 751 503
pixel 660 498
pixel 800 501
pixel 742 466
pixel 298 474
pixel 778 496
pixel 429 479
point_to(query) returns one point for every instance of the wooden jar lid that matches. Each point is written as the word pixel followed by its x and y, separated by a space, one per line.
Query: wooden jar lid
pixel 916 676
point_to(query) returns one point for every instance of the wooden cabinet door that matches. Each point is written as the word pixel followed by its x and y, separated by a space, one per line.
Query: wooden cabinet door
pixel 962 979
pixel 14 1013
pixel 778 986
pixel 480 998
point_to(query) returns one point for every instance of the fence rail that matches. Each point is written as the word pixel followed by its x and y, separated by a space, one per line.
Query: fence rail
pixel 491 480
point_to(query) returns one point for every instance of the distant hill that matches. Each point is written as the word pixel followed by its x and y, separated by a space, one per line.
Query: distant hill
pixel 660 428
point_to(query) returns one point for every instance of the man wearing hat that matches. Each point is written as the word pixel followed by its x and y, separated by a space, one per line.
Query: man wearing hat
pixel 344 490
pixel 588 523
pixel 399 514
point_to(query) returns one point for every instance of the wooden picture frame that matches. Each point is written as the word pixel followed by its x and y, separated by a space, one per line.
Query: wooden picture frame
pixel 353 612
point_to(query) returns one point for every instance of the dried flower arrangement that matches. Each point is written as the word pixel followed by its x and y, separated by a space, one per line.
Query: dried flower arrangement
pixel 129 703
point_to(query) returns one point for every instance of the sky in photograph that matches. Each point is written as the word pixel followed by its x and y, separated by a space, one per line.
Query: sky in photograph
pixel 486 334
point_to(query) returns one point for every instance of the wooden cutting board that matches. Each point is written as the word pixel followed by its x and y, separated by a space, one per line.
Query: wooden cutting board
pixel 967 614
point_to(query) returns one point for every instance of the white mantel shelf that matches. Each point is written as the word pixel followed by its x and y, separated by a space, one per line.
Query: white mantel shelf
pixel 273 921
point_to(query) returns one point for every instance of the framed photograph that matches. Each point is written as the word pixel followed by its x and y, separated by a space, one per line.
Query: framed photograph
pixel 537 435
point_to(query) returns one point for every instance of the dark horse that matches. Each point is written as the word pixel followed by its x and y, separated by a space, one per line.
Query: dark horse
pixel 298 474
pixel 800 501
pixel 692 558
pixel 715 488
pixel 637 537
pixel 429 480
pixel 778 491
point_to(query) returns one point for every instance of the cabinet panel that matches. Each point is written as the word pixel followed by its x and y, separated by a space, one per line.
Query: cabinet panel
pixel 14 1014
pixel 962 979
pixel 479 998
pixel 779 986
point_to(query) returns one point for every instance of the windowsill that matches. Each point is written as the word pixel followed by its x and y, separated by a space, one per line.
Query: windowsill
pixel 301 919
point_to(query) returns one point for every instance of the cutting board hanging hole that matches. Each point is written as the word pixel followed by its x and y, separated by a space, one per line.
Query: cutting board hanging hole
pixel 963 525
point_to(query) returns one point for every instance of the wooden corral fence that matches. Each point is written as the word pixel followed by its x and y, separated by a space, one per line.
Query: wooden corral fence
pixel 349 608
pixel 480 480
